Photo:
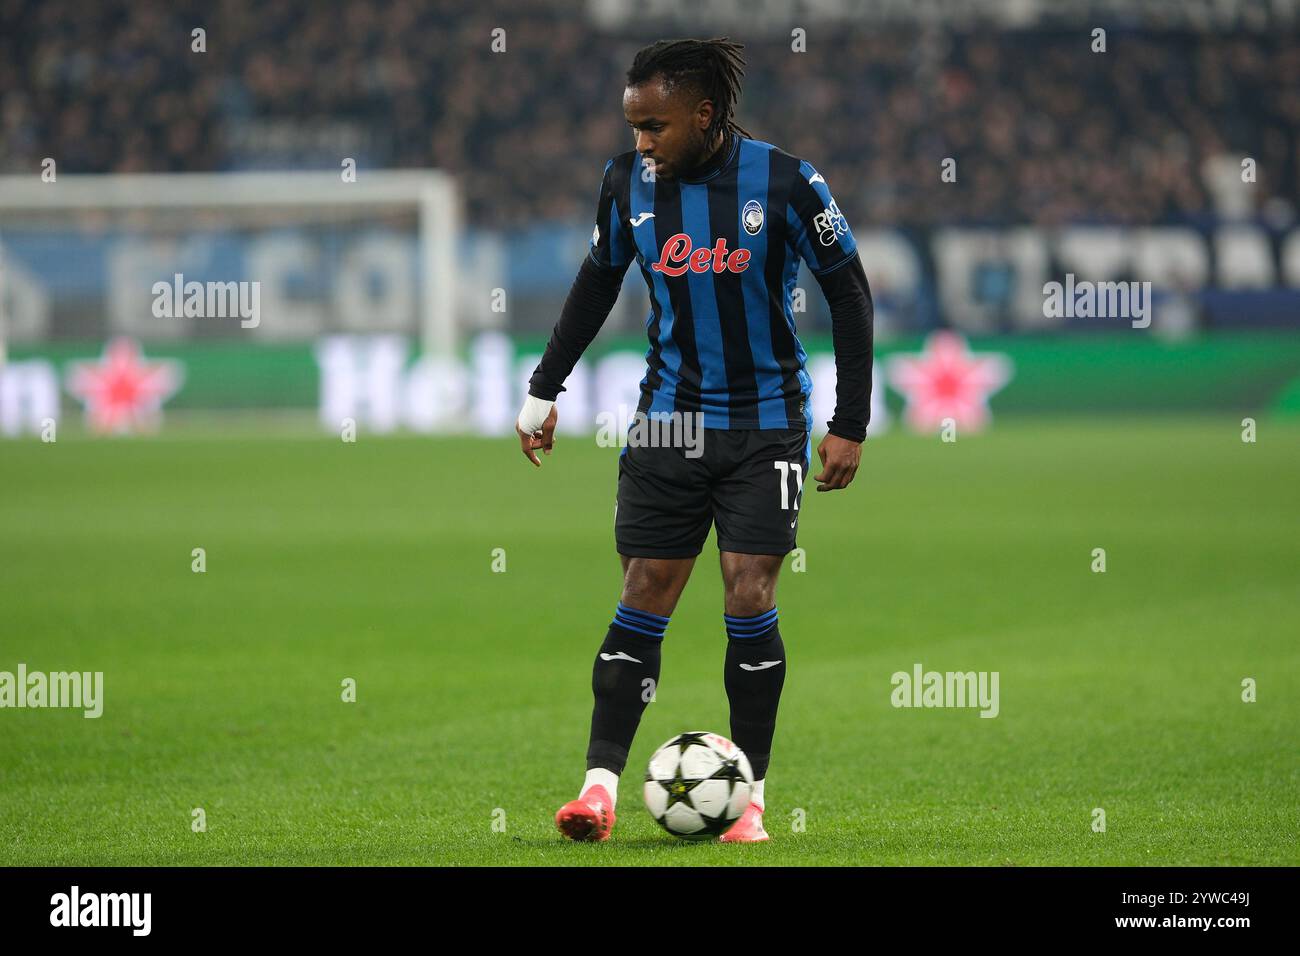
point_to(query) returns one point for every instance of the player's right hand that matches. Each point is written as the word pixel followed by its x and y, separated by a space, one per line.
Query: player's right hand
pixel 542 437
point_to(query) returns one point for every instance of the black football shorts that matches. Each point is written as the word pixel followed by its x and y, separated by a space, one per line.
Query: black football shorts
pixel 749 481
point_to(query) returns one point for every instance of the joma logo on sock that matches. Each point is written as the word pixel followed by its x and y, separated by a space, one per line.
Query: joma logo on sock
pixel 620 656
pixel 102 909
pixel 946 689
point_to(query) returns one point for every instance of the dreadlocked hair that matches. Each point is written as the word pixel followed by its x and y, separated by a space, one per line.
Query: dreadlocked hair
pixel 711 68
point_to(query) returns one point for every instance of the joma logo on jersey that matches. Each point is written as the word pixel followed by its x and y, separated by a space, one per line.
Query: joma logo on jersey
pixel 677 256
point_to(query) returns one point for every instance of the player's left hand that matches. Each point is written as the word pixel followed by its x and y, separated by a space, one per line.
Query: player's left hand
pixel 840 459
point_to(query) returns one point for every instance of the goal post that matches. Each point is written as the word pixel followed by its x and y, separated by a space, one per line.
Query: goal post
pixel 411 214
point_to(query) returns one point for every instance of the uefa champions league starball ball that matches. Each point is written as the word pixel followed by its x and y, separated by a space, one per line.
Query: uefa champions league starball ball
pixel 697 785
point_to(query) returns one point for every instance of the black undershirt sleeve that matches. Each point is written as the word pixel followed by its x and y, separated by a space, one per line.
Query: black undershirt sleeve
pixel 852 314
pixel 590 299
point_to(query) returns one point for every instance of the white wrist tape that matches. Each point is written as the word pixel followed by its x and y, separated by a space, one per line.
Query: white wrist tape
pixel 533 414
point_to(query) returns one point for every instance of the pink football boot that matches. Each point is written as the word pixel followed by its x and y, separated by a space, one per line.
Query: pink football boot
pixel 590 817
pixel 748 829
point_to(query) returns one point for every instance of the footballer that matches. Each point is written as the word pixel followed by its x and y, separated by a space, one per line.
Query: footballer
pixel 717 222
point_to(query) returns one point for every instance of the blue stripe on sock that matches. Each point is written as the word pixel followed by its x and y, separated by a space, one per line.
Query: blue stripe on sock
pixel 654 618
pixel 648 625
pixel 756 626
pixel 637 628
pixel 752 627
pixel 746 622
pixel 643 622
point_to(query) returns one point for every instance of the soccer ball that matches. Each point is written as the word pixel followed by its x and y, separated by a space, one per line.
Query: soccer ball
pixel 697 785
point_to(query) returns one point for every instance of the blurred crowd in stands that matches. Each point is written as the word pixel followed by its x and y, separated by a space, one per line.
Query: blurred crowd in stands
pixel 1043 129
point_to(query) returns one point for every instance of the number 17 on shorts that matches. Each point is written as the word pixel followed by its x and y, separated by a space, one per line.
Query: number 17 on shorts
pixel 791 492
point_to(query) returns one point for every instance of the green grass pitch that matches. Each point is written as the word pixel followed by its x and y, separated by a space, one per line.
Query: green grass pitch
pixel 373 561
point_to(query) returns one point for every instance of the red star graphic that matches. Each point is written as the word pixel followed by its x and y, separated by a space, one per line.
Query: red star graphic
pixel 947 380
pixel 121 391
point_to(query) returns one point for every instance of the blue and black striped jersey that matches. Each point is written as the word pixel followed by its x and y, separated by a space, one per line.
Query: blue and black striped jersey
pixel 720 255
pixel 719 250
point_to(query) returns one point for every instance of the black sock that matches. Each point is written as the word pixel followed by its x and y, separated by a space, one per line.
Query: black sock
pixel 754 676
pixel 623 680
